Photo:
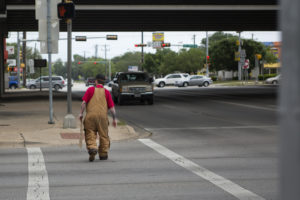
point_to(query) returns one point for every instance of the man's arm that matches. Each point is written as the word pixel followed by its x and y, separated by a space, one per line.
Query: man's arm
pixel 82 109
pixel 113 114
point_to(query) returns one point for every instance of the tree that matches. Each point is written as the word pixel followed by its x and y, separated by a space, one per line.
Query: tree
pixel 59 68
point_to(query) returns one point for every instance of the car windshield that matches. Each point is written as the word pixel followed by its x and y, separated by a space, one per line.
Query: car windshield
pixel 133 77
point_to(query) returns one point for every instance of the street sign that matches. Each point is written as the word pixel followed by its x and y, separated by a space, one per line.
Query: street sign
pixel 190 45
pixel 11 62
pixel 158 38
pixel 237 56
pixel 247 63
pixel 10 50
pixel 243 53
pixel 41 9
pixel 133 68
pixel 30 64
pixel 80 38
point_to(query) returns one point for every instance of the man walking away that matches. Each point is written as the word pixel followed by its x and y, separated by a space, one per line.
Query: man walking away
pixel 97 101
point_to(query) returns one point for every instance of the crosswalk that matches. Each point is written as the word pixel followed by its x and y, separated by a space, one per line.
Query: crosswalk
pixel 147 168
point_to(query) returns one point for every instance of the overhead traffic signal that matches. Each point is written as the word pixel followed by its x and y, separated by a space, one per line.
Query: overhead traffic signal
pixel 140 45
pixel 165 44
pixel 66 10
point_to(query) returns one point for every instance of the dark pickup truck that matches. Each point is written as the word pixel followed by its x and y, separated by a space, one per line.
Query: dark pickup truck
pixel 132 86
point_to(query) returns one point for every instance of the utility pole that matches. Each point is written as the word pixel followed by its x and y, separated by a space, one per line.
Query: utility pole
pixel 69 120
pixel 142 59
pixel 18 58
pixel 96 51
pixel 194 39
pixel 207 72
pixel 24 58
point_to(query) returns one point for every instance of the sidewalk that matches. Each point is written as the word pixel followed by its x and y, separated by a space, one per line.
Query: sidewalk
pixel 24 123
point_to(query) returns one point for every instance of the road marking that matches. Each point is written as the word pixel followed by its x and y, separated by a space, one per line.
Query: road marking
pixel 212 128
pixel 38 183
pixel 246 105
pixel 221 182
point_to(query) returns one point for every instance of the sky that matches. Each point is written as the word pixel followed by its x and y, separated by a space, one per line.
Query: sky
pixel 127 40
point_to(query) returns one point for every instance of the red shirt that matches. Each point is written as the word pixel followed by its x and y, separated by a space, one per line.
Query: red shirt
pixel 90 92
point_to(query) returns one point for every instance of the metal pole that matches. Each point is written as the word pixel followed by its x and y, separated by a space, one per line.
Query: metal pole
pixel 69 27
pixel 142 59
pixel 18 58
pixel 49 61
pixel 24 58
pixel 240 63
pixel 96 51
pixel 289 101
pixel 207 72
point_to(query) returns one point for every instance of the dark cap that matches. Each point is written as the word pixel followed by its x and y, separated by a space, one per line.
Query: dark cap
pixel 100 77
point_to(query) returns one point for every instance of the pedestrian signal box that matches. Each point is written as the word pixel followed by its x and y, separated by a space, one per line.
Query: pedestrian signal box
pixel 66 10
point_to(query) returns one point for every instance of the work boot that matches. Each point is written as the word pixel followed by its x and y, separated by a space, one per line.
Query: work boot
pixel 93 153
pixel 103 157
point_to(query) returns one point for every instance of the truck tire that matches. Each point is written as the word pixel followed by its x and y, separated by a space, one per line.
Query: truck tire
pixel 32 87
pixel 150 101
pixel 13 87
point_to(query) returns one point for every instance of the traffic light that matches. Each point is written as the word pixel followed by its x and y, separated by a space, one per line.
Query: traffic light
pixel 111 37
pixel 165 45
pixel 140 45
pixel 207 58
pixel 79 63
pixel 66 10
pixel 95 62
pixel 21 55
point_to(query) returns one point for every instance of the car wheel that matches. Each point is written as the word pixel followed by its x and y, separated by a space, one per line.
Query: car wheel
pixel 185 84
pixel 274 82
pixel 32 87
pixel 199 85
pixel 56 87
pixel 161 84
pixel 205 84
pixel 13 87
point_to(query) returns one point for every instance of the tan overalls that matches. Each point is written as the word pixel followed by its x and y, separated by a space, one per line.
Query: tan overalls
pixel 96 121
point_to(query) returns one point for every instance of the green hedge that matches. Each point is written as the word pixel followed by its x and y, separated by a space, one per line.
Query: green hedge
pixel 265 76
pixel 214 78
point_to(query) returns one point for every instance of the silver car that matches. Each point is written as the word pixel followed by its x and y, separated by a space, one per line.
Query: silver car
pixel 195 80
pixel 58 82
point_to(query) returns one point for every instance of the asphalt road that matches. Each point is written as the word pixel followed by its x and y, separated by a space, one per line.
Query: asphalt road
pixel 206 143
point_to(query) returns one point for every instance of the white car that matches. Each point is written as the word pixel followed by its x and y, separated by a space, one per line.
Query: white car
pixel 274 80
pixel 195 80
pixel 170 79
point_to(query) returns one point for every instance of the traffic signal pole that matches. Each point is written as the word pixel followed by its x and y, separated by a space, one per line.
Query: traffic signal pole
pixel 69 120
pixel 49 46
pixel 207 72
pixel 18 58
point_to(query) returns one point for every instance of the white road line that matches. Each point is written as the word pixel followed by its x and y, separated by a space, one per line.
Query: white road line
pixel 221 182
pixel 212 128
pixel 246 105
pixel 38 183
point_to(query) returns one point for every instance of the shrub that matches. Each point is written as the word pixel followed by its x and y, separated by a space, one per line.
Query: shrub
pixel 265 76
pixel 214 78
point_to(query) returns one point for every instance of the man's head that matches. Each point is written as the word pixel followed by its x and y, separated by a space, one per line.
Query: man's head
pixel 100 79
